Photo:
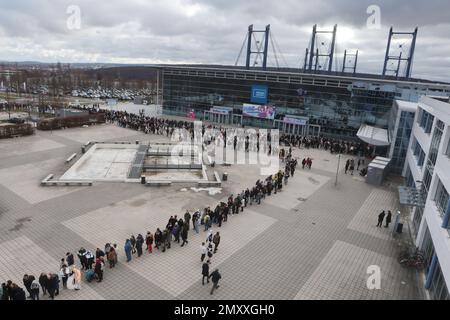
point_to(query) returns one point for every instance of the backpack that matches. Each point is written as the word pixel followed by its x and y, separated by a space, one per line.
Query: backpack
pixel 34 285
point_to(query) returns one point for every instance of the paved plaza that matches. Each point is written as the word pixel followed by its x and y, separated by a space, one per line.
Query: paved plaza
pixel 313 240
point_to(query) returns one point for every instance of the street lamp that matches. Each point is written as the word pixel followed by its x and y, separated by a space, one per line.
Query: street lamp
pixel 337 169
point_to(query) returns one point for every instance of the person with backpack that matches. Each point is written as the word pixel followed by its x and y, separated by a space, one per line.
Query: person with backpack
pixel 210 250
pixel 98 269
pixel 99 254
pixel 215 277
pixel 203 251
pixel 35 290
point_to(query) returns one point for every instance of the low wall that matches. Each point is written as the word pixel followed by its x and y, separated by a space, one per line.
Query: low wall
pixel 11 130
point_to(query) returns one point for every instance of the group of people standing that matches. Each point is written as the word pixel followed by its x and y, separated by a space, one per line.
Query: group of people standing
pixel 381 217
pixel 333 145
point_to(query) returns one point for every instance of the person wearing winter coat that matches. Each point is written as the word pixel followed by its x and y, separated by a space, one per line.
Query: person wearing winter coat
pixel 69 259
pixel 77 278
pixel 215 277
pixel 90 258
pixel 64 275
pixel 216 241
pixel 176 232
pixel 205 272
pixel 82 256
pixel 17 293
pixel 133 244
pixel 184 234
pixel 27 280
pixel 139 244
pixel 187 219
pixel 112 257
pixel 35 286
pixel 158 238
pixel 149 242
pixel 98 269
pixel 53 285
pixel 128 249
pixel 43 281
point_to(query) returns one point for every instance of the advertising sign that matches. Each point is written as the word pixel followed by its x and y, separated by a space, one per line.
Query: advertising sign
pixel 221 110
pixel 260 94
pixel 295 120
pixel 258 111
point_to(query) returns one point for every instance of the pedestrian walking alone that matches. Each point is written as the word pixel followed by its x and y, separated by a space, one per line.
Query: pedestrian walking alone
pixel 215 277
pixel 216 241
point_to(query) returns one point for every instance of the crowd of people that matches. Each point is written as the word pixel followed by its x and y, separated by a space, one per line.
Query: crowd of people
pixel 329 144
pixel 176 231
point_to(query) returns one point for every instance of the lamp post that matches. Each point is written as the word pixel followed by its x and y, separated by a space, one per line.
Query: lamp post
pixel 337 169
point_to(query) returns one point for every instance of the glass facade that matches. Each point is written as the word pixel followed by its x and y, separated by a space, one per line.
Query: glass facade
pixel 441 198
pixel 338 108
pixel 401 140
pixel 438 289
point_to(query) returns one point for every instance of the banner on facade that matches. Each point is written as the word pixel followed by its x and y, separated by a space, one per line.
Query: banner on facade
pixel 221 110
pixel 302 121
pixel 259 111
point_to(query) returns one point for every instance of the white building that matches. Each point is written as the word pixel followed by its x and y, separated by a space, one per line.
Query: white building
pixel 428 169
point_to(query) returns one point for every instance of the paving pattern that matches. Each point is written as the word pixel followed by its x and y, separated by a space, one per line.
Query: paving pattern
pixel 313 240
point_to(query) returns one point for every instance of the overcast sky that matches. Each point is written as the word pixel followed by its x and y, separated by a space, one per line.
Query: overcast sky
pixel 212 31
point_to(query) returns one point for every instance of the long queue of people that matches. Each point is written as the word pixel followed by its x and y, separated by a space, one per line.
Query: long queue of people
pixel 328 144
pixel 93 264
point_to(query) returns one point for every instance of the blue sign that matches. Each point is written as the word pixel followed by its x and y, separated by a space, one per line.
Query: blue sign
pixel 260 94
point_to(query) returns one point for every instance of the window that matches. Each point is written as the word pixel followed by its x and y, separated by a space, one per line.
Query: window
pixel 441 198
pixel 447 152
pixel 438 288
pixel 426 121
pixel 418 214
pixel 418 153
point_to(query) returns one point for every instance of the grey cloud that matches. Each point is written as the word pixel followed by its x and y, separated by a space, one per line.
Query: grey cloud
pixel 212 31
